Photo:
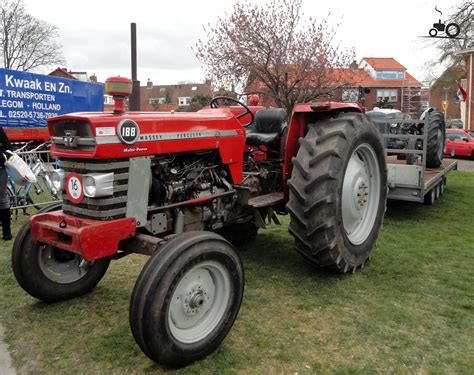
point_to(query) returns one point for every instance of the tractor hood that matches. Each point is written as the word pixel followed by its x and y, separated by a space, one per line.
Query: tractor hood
pixel 132 134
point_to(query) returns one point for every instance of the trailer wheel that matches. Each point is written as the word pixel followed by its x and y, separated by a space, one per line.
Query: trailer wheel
pixel 338 192
pixel 51 274
pixel 436 136
pixel 186 298
pixel 430 198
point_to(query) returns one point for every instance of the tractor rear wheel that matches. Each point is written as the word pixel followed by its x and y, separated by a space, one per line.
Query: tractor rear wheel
pixel 338 192
pixel 51 274
pixel 436 136
pixel 186 298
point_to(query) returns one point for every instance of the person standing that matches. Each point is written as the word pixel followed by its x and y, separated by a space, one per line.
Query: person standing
pixel 5 146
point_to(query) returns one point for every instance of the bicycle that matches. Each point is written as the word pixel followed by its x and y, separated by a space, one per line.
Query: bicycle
pixel 22 197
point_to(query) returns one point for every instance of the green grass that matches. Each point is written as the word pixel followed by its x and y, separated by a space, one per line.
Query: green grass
pixel 409 311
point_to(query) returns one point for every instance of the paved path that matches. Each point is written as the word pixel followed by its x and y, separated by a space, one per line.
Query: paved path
pixel 5 359
pixel 465 165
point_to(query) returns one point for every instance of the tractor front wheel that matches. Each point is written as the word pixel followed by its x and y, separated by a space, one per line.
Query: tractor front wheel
pixel 186 298
pixel 51 274
pixel 338 191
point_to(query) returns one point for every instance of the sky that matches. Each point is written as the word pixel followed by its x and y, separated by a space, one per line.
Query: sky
pixel 95 35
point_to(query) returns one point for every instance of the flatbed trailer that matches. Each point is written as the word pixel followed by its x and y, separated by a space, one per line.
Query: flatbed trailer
pixel 413 182
pixel 416 184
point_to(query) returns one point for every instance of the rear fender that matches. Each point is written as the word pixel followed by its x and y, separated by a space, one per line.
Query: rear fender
pixel 304 114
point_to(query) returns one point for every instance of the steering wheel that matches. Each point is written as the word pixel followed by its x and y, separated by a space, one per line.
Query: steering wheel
pixel 215 104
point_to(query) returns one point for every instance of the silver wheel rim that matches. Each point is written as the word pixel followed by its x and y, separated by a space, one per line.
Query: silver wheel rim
pixel 361 194
pixel 440 144
pixel 62 267
pixel 199 302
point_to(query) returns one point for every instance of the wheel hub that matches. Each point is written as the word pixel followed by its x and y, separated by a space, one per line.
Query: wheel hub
pixel 60 266
pixel 362 193
pixel 195 300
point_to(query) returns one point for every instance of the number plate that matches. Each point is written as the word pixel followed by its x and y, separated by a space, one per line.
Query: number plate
pixel 74 188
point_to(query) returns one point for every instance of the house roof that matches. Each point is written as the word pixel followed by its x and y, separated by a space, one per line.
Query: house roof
pixel 359 77
pixel 379 63
pixel 60 72
pixel 449 77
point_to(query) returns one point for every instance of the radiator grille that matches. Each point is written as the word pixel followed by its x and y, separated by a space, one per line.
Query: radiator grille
pixel 105 208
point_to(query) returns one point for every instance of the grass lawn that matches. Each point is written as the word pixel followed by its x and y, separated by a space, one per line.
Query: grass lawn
pixel 409 311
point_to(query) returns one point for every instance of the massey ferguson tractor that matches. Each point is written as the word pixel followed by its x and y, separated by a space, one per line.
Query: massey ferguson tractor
pixel 177 186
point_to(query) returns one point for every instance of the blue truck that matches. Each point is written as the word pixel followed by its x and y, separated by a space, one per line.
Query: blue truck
pixel 27 100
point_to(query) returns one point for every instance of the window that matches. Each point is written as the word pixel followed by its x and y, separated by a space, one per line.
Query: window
pixel 389 74
pixel 453 136
pixel 157 101
pixel 162 89
pixel 388 95
pixel 108 99
pixel 350 95
pixel 184 100
pixel 194 88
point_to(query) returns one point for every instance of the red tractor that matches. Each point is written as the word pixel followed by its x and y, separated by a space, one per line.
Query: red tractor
pixel 181 187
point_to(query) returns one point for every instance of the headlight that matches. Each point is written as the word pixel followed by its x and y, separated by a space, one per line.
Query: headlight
pixel 58 179
pixel 89 186
pixel 97 185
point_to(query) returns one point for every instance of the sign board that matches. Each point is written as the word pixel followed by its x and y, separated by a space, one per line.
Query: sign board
pixel 445 105
pixel 28 99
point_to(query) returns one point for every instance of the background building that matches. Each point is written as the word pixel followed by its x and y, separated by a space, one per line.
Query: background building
pixel 445 89
pixel 172 97
pixel 391 85
pixel 387 84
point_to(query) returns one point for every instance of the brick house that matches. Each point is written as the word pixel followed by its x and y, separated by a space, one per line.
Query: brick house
pixel 467 107
pixel 386 79
pixel 446 89
pixel 64 73
pixel 171 97
pixel 389 81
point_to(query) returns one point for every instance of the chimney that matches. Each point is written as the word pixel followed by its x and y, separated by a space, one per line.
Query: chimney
pixel 149 84
pixel 354 65
pixel 93 78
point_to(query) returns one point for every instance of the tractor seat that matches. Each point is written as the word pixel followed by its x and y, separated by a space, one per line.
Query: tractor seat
pixel 267 128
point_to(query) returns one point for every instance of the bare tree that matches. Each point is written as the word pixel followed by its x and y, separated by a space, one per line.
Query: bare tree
pixel 463 15
pixel 272 49
pixel 26 42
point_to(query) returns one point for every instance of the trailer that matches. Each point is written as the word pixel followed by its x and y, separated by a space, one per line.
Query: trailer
pixel 417 183
pixel 409 178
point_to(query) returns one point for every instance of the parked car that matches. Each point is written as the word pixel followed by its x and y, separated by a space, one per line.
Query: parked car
pixel 461 141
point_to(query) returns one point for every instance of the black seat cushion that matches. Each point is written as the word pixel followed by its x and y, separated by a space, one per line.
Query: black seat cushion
pixel 267 128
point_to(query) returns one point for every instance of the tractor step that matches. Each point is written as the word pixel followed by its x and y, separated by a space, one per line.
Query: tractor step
pixel 266 200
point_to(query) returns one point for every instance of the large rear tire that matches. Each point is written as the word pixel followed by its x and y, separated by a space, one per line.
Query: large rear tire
pixel 338 192
pixel 51 274
pixel 186 298
pixel 436 137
